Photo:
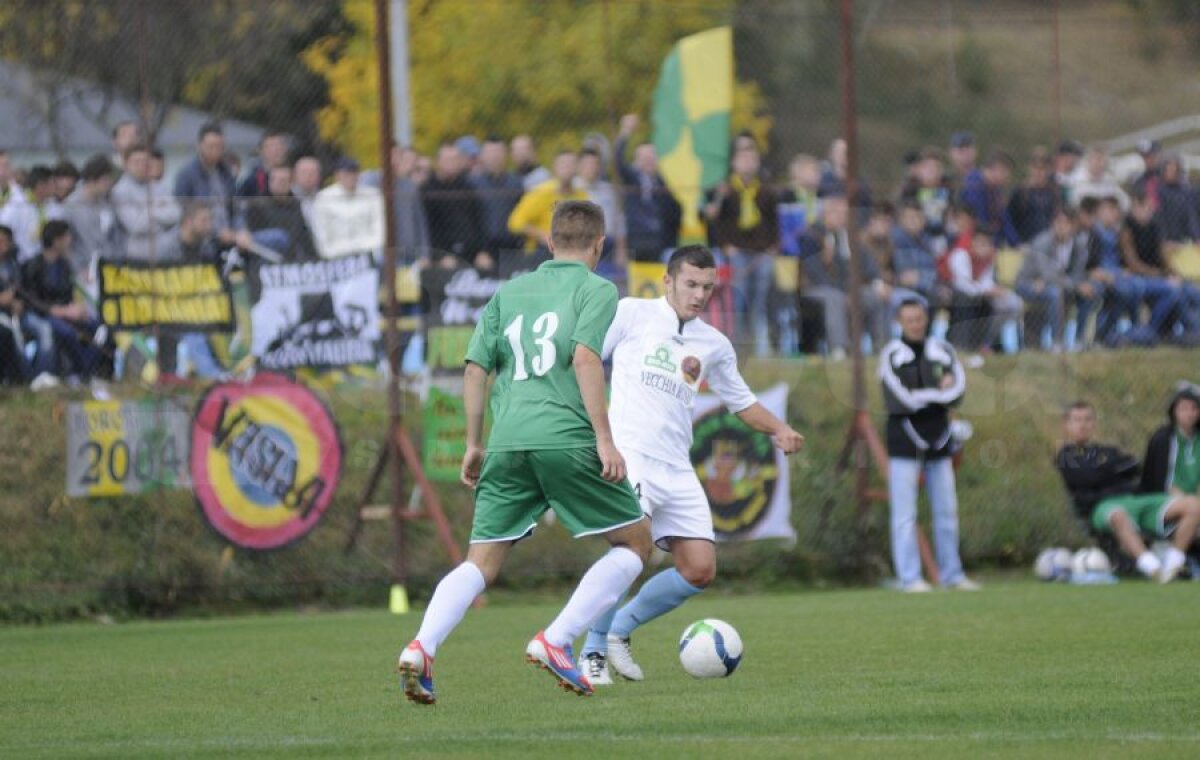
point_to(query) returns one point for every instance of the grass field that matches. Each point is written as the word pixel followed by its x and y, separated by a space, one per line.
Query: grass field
pixel 1019 669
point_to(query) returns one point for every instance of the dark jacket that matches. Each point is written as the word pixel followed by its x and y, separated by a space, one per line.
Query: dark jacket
pixel 652 215
pixel 1030 212
pixel 724 230
pixel 1158 467
pixel 918 425
pixel 498 196
pixel 836 273
pixel 254 183
pixel 49 284
pixel 193 181
pixel 1093 473
pixel 282 213
pixel 1176 213
pixel 455 217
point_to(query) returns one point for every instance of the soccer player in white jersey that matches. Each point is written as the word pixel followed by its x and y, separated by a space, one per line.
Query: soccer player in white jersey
pixel 661 353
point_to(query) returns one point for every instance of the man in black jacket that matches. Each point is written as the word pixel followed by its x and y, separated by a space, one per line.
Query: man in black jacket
pixel 1103 482
pixel 922 379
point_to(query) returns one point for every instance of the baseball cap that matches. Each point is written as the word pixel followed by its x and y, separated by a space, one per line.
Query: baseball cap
pixel 346 164
pixel 468 146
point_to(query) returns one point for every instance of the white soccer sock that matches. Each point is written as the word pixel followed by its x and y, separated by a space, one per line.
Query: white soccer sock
pixel 1148 564
pixel 1173 560
pixel 598 590
pixel 450 601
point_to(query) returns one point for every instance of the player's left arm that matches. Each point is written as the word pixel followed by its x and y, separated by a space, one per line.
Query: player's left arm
pixel 785 439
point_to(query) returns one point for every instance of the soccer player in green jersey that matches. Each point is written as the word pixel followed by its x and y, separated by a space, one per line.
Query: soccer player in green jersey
pixel 551 447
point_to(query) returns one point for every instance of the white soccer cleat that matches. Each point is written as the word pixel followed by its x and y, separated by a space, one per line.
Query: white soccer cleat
pixel 620 656
pixel 595 666
pixel 918 586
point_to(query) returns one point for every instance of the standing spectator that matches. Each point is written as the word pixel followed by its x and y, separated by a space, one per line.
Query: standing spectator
pixel 1052 276
pixel 14 369
pixel 963 155
pixel 825 255
pixel 1032 206
pixel 454 212
pixel 604 195
pixel 914 262
pixel 1094 180
pixel 276 220
pixel 652 215
pixel 929 188
pixel 10 189
pixel 499 191
pixel 1144 254
pixel 1176 215
pixel 306 182
pixel 26 215
pixel 66 176
pixel 272 152
pixel 742 214
pixel 147 216
pixel 468 148
pixel 125 135
pixel 208 177
pixel 158 169
pixel 412 230
pixel 90 213
pixel 974 278
pixel 1066 160
pixel 532 215
pixel 1103 483
pixel 876 241
pixel 48 288
pixel 922 380
pixel 985 194
pixel 1172 463
pixel 1147 183
pixel 804 184
pixel 346 186
pixel 835 175
pixel 524 156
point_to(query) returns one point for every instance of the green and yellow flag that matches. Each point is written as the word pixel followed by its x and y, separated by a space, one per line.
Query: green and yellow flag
pixel 690 116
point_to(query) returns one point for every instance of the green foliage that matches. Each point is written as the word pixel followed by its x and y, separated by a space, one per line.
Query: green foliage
pixel 1016 670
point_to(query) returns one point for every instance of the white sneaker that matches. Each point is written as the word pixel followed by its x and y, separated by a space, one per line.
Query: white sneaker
pixel 100 390
pixel 966 584
pixel 620 656
pixel 44 382
pixel 595 666
pixel 917 587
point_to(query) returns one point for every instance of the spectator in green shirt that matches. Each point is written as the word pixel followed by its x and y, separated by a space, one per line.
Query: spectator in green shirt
pixel 1172 463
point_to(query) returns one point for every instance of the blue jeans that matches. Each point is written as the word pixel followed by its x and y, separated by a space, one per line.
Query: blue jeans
pixel 1084 307
pixel 74 338
pixel 38 328
pixel 904 479
pixel 753 274
pixel 1048 309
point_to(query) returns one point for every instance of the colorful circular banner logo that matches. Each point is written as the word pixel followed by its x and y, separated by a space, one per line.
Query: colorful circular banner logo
pixel 266 460
pixel 737 468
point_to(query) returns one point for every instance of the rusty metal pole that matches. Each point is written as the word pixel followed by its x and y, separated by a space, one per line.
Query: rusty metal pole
pixel 1056 76
pixel 392 335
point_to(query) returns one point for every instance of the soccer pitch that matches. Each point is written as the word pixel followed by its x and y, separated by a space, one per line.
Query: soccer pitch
pixel 1018 669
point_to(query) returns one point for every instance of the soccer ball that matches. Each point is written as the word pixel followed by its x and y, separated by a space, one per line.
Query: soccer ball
pixel 710 649
pixel 1053 564
pixel 1090 561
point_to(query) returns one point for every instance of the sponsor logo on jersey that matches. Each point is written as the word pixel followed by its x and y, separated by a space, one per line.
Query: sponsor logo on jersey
pixel 661 359
pixel 736 467
pixel 266 459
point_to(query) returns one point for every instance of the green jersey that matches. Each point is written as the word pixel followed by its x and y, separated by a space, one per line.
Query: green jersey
pixel 527 335
pixel 1187 464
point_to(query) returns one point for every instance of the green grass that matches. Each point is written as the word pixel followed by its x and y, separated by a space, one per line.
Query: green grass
pixel 1019 669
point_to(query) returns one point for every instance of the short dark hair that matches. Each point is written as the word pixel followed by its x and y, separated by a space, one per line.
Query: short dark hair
pixel 97 167
pixel 6 230
pixel 121 124
pixel 1109 200
pixel 38 174
pixel 911 302
pixel 137 147
pixel 1067 212
pixel 883 208
pixel 54 229
pixel 66 169
pixel 209 128
pixel 999 156
pixel 1089 204
pixel 589 151
pixel 576 225
pixel 158 153
pixel 1078 405
pixel 699 256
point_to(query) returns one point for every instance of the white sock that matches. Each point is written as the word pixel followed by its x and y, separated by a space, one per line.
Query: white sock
pixel 450 601
pixel 1173 560
pixel 598 590
pixel 1148 564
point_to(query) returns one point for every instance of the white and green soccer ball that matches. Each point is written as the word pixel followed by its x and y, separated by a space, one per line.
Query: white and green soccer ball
pixel 710 649
pixel 1053 564
pixel 1090 561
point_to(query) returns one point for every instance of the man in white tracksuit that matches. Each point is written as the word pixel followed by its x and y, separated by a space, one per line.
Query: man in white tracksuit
pixel 661 354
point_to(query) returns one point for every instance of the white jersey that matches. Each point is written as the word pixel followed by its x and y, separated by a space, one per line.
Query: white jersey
pixel 658 366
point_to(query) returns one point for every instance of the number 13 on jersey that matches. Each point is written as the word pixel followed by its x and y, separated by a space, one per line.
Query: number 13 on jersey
pixel 543 331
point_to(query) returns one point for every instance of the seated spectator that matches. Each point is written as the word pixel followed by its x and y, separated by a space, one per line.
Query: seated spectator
pixel 125 135
pixel 914 263
pixel 454 213
pixel 1103 483
pixel 973 273
pixel 272 152
pixel 930 190
pixel 1177 215
pixel 26 213
pixel 65 176
pixel 147 217
pixel 963 157
pixel 158 170
pixel 1123 291
pixel 499 190
pixel 277 221
pixel 835 173
pixel 1032 206
pixel 652 214
pixel 1052 276
pixel 1172 463
pixel 48 290
pixel 531 217
pixel 604 195
pixel 986 195
pixel 1066 160
pixel 1094 180
pixel 14 369
pixel 195 243
pixel 1147 183
pixel 1143 250
pixel 875 240
pixel 90 213
pixel 825 256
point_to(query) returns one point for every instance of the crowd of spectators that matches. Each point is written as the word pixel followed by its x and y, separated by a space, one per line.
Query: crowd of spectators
pixel 1091 248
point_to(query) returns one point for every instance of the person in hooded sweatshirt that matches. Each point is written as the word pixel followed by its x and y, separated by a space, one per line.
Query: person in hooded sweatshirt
pixel 922 380
pixel 1172 463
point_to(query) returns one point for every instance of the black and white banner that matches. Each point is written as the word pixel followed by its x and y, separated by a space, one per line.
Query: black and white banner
pixel 317 314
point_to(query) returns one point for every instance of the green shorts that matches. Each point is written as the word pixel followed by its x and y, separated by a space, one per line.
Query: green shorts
pixel 1146 510
pixel 516 487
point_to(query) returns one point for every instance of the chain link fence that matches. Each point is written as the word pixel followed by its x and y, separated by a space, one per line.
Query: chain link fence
pixel 190 193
